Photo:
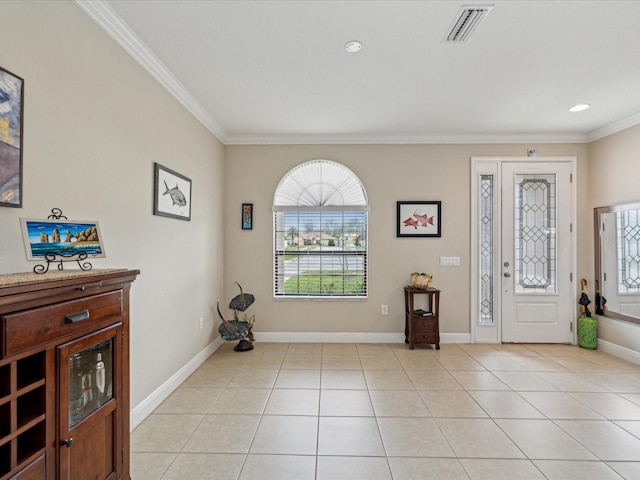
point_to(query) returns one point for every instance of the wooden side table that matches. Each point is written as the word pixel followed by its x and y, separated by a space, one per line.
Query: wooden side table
pixel 422 325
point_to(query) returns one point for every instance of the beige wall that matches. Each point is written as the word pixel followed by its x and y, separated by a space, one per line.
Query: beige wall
pixel 614 168
pixel 94 123
pixel 615 178
pixel 389 173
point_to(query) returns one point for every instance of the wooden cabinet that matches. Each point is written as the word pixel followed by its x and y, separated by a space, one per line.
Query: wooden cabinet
pixel 64 375
pixel 422 325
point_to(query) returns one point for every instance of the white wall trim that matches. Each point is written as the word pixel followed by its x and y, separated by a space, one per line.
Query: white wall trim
pixel 160 394
pixel 349 337
pixel 404 139
pixel 614 128
pixel 618 351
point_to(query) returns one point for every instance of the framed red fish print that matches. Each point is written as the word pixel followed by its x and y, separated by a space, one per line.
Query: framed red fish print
pixel 171 193
pixel 419 219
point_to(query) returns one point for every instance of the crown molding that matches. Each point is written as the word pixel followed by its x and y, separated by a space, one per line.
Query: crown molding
pixel 614 128
pixel 387 139
pixel 118 30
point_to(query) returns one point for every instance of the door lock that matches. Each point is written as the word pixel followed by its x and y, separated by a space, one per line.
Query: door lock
pixel 507 274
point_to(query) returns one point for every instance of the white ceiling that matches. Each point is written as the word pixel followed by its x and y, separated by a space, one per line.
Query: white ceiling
pixel 277 72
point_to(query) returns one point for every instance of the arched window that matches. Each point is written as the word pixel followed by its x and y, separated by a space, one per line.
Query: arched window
pixel 320 232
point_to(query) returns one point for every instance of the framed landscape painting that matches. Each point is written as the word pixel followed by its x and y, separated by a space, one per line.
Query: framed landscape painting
pixel 62 238
pixel 11 101
pixel 419 219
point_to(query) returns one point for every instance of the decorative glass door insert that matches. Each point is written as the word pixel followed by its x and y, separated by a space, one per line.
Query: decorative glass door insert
pixel 90 380
pixel 487 247
pixel 628 227
pixel 535 233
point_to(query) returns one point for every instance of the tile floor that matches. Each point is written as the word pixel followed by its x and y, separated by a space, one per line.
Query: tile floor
pixel 305 411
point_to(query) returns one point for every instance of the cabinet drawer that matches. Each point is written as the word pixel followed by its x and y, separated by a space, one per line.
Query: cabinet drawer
pixel 34 327
pixel 425 337
pixel 421 324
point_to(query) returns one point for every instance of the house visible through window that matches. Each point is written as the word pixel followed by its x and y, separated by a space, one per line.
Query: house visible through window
pixel 320 232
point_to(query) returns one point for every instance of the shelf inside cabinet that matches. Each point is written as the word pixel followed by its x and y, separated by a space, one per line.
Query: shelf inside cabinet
pixel 5 459
pixel 31 442
pixel 31 406
pixel 5 380
pixel 31 369
pixel 5 419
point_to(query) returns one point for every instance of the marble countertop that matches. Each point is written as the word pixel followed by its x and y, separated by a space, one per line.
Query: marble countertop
pixel 9 279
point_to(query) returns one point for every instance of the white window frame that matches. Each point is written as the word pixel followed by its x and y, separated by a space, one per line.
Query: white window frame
pixel 307 196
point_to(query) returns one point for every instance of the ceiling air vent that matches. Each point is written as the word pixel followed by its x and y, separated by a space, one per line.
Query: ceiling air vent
pixel 466 22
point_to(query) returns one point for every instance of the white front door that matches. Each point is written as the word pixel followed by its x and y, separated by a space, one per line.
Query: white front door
pixel 534 274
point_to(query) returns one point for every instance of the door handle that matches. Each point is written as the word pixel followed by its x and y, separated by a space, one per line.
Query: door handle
pixel 507 274
pixel 67 443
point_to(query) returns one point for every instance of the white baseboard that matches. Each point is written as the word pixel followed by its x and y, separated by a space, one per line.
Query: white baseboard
pixel 328 337
pixel 618 351
pixel 160 394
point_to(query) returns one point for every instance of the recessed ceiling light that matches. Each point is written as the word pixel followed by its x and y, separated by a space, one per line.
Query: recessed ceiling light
pixel 580 107
pixel 353 46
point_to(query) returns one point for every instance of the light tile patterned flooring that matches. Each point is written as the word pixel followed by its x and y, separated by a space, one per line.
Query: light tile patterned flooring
pixel 304 411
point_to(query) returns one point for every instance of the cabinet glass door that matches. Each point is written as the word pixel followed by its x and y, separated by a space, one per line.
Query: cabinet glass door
pixel 90 444
pixel 90 380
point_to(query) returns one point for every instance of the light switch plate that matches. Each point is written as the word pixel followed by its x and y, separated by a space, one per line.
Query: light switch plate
pixel 449 261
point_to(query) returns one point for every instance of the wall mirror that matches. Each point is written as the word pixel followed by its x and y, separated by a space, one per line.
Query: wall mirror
pixel 617 248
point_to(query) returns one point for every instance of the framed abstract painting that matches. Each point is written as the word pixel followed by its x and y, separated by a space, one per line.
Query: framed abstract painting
pixel 247 216
pixel 11 122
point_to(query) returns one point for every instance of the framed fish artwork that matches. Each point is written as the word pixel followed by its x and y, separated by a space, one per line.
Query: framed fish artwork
pixel 419 219
pixel 171 194
pixel 11 121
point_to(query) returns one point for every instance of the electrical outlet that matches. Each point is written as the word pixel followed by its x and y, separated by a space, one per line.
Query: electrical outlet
pixel 201 323
pixel 384 310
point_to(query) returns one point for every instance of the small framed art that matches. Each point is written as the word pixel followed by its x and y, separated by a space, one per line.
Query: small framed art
pixel 61 238
pixel 171 194
pixel 11 106
pixel 419 219
pixel 247 216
